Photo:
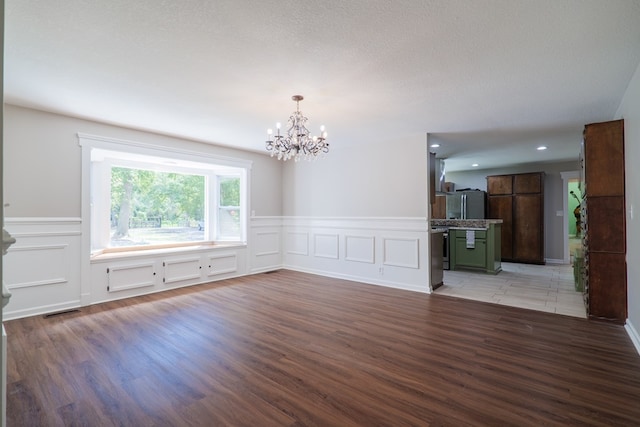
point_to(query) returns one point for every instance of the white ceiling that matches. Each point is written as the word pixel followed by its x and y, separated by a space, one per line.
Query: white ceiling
pixel 490 79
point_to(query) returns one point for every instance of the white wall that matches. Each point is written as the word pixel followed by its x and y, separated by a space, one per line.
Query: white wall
pixel 360 213
pixel 380 179
pixel 553 194
pixel 42 163
pixel 629 110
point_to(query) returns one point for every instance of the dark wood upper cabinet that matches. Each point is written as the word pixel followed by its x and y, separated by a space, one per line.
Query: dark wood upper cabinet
pixel 604 159
pixel 527 183
pixel 518 200
pixel 500 185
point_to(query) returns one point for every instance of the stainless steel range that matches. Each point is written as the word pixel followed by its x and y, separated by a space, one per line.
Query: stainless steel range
pixel 445 250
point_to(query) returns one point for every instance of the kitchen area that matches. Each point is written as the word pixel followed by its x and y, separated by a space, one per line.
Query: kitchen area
pixel 488 245
pixel 462 237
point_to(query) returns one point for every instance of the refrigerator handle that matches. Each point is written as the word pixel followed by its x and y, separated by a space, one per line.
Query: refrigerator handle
pixel 464 206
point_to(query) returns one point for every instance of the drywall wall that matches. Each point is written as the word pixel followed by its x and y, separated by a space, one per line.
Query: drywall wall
pixel 553 193
pixel 629 110
pixel 42 163
pixel 379 179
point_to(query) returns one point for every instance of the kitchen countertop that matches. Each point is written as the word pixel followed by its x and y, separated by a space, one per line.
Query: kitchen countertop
pixel 478 224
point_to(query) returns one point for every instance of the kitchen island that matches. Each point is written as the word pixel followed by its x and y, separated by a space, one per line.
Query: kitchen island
pixel 474 244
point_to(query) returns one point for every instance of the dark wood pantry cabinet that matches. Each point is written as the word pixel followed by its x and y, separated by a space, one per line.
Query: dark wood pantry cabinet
pixel 603 210
pixel 518 200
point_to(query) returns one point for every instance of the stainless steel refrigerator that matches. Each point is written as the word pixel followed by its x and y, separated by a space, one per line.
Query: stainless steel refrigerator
pixel 466 204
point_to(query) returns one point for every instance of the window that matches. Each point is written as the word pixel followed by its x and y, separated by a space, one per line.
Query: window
pixel 143 198
pixel 156 208
pixel 228 207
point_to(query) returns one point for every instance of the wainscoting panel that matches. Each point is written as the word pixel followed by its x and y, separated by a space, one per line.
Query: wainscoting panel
pixel 326 245
pixel 47 265
pixel 41 270
pixel 297 243
pixel 265 243
pixel 360 248
pixel 382 251
pixel 401 252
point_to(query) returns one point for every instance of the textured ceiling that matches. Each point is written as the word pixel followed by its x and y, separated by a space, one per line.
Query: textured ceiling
pixel 490 79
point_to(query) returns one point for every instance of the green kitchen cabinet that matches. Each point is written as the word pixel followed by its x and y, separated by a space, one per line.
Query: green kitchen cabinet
pixel 485 253
pixel 471 257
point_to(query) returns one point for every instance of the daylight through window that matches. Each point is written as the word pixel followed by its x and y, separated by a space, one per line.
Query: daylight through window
pixel 142 200
pixel 156 208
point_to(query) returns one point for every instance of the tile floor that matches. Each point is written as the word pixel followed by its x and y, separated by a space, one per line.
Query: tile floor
pixel 547 288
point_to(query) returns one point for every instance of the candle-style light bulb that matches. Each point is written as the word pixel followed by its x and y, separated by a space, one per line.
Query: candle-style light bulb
pixel 269 132
pixel 322 128
pixel 278 125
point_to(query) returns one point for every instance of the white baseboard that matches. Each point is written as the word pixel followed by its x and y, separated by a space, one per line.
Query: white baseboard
pixel 265 269
pixel 39 310
pixel 555 261
pixel 360 279
pixel 633 334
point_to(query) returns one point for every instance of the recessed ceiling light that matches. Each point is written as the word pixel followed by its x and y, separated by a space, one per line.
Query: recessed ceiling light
pixel 542 147
pixel 475 165
pixel 434 145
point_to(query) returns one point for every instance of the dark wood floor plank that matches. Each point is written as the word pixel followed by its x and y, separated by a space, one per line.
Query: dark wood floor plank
pixel 293 349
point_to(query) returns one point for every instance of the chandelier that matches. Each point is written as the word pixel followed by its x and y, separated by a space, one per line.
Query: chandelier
pixel 296 143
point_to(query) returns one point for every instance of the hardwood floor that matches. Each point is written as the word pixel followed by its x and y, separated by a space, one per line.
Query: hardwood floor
pixel 292 349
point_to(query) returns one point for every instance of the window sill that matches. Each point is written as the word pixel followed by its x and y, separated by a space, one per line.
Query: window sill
pixel 143 253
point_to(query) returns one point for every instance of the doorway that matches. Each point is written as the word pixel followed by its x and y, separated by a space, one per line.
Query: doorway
pixel 572 229
pixel 549 288
pixel 574 218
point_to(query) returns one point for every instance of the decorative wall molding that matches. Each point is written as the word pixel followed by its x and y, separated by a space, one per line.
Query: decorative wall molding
pixel 326 245
pixel 297 243
pixel 360 248
pixel 267 243
pixel 48 265
pixel 358 223
pixel 381 251
pixel 401 252
pixel 42 269
pixel 48 221
pixel 43 227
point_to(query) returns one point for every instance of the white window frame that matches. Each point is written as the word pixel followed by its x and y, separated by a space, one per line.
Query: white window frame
pixel 99 154
pixel 218 181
